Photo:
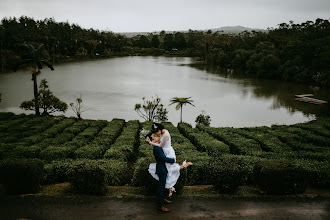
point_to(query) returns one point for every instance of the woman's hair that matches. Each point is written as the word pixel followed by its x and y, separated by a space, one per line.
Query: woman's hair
pixel 156 127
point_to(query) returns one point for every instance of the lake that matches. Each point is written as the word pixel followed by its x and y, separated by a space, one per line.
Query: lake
pixel 110 89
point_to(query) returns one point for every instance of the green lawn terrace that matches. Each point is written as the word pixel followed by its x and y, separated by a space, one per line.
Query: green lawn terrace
pixel 92 154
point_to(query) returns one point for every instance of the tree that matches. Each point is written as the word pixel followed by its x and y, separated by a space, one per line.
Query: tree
pixel 203 119
pixel 77 107
pixel 180 102
pixel 34 58
pixel 152 110
pixel 143 42
pixel 155 41
pixel 46 101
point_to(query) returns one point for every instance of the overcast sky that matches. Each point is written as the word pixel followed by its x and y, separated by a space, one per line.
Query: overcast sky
pixel 169 15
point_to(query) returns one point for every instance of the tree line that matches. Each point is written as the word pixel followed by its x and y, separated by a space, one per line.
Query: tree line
pixel 290 52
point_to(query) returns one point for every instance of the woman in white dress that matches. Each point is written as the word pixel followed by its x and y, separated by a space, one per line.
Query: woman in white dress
pixel 173 170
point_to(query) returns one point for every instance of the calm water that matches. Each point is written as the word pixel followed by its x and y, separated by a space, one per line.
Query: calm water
pixel 111 88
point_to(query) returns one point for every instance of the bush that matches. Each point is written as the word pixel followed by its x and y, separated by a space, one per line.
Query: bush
pixel 280 177
pixel 124 153
pixel 87 177
pixel 228 173
pixel 116 172
pixel 21 176
pixel 203 141
pixel 57 171
pixel 89 152
pixel 26 152
pixel 56 153
pixel 318 173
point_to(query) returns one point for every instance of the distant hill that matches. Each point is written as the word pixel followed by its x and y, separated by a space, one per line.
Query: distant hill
pixel 227 29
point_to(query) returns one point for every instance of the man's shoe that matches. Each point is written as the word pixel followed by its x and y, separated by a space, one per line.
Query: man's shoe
pixel 167 201
pixel 163 209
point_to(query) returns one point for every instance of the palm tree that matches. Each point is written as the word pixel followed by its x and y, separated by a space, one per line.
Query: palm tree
pixel 180 102
pixel 34 58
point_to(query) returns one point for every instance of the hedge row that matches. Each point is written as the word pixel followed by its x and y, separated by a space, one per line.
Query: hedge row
pixel 238 144
pixel 105 138
pixel 82 138
pixel 95 174
pixel 203 141
pixel 267 141
pixel 21 175
pixel 126 144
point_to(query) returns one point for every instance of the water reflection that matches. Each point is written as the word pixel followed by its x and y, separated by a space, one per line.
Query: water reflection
pixel 282 93
pixel 111 88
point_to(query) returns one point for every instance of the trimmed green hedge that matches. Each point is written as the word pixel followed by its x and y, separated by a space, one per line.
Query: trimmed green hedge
pixel 87 178
pixel 228 173
pixel 89 152
pixel 126 144
pixel 56 153
pixel 109 134
pixel 280 177
pixel 116 172
pixel 238 144
pixel 21 175
pixel 203 141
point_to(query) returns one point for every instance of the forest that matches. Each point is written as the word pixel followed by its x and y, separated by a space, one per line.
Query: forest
pixel 290 52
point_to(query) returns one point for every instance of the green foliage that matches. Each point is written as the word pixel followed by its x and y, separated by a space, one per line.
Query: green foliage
pixel 126 144
pixel 21 175
pixel 89 152
pixel 203 119
pixel 280 177
pixel 203 141
pixel 55 153
pixel 46 101
pixel 87 178
pixel 116 172
pixel 26 152
pixel 152 110
pixel 228 173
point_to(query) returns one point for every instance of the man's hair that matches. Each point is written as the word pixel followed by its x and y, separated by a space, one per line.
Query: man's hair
pixel 149 135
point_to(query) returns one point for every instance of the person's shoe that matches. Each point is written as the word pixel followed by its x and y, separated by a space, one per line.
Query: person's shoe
pixel 167 201
pixel 163 209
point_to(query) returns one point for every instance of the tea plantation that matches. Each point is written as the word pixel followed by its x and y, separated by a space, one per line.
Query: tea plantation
pixel 91 154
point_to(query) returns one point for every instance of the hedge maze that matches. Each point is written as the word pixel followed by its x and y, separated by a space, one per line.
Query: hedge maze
pixel 278 159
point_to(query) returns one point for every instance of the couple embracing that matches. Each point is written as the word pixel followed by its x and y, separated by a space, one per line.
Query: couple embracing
pixel 166 171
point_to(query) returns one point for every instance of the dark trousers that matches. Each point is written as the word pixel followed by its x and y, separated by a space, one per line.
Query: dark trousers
pixel 161 190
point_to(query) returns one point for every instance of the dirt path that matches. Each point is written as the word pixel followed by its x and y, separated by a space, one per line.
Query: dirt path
pixel 90 207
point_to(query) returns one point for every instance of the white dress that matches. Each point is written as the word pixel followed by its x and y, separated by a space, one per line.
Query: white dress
pixel 173 170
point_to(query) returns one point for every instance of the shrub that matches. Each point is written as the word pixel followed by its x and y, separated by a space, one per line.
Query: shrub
pixel 5 116
pixel 318 173
pixel 89 152
pixel 87 177
pixel 56 171
pixel 56 153
pixel 203 141
pixel 116 172
pixel 21 176
pixel 280 177
pixel 228 173
pixel 27 152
